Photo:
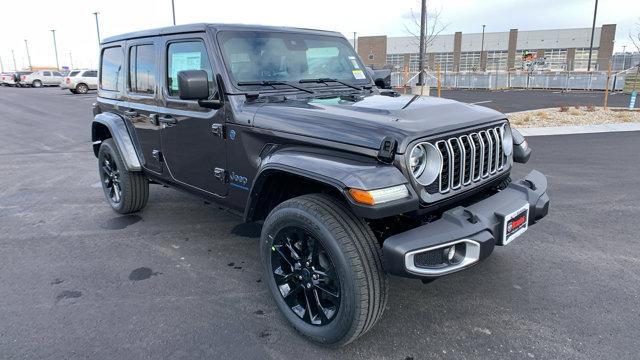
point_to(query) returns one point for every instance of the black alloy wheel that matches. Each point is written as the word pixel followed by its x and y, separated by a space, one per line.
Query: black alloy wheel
pixel 111 178
pixel 305 276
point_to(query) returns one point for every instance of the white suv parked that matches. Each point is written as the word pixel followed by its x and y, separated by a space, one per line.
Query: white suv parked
pixel 80 81
pixel 41 78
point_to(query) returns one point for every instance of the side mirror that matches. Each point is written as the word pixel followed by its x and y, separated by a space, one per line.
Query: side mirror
pixel 193 85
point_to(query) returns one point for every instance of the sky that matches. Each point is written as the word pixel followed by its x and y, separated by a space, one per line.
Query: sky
pixel 77 41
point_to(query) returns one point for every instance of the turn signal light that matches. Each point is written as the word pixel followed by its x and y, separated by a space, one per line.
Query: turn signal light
pixel 379 196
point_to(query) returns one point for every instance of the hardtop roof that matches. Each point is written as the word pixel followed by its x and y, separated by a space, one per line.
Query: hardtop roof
pixel 201 27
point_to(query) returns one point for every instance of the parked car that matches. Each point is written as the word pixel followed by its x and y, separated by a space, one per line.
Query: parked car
pixel 285 127
pixel 80 81
pixel 13 78
pixel 41 78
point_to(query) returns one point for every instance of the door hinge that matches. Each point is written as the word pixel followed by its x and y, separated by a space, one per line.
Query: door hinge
pixel 157 154
pixel 220 174
pixel 217 129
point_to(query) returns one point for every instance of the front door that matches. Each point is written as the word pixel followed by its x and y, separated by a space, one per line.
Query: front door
pixel 193 146
pixel 141 105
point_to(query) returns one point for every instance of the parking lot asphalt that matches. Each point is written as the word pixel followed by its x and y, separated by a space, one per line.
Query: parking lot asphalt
pixel 520 100
pixel 181 279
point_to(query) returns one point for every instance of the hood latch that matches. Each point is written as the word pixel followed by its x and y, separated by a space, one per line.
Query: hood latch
pixel 387 149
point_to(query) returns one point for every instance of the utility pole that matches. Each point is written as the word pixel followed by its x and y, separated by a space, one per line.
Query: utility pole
pixel 26 45
pixel 593 29
pixel 482 49
pixel 173 10
pixel 1 65
pixel 15 67
pixel 97 26
pixel 423 35
pixel 71 59
pixel 55 48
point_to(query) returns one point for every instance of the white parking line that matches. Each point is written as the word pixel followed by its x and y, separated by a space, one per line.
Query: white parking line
pixel 481 102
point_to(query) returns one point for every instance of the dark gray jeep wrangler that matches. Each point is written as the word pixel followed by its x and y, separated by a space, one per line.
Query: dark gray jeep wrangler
pixel 285 127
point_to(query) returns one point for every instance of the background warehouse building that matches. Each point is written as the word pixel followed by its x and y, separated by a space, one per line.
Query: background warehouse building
pixel 560 49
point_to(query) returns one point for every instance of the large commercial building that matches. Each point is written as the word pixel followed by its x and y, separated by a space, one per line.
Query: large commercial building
pixel 561 49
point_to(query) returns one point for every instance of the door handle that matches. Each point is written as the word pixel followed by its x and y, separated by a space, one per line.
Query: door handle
pixel 167 119
pixel 130 113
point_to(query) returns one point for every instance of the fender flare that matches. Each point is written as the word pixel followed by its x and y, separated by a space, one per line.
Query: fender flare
pixel 336 170
pixel 121 137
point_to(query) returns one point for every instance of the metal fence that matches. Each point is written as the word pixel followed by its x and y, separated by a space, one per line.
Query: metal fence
pixel 517 80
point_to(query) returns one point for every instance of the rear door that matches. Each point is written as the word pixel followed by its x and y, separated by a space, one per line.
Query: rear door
pixel 141 104
pixel 192 139
pixel 47 79
pixel 91 79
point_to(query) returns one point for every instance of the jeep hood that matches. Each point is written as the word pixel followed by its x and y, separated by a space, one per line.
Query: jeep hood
pixel 366 122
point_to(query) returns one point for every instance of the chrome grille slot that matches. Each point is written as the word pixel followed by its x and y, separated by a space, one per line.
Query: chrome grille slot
pixel 446 165
pixel 469 159
pixel 456 163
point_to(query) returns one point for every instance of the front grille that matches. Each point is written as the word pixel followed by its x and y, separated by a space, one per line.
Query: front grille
pixel 469 159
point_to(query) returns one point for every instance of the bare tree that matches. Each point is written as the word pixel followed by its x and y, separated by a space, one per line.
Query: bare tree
pixel 433 25
pixel 634 36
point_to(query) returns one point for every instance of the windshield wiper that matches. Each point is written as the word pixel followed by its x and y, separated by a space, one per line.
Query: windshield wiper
pixel 272 83
pixel 327 80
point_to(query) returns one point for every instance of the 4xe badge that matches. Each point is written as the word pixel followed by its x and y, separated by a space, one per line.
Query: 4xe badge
pixel 515 224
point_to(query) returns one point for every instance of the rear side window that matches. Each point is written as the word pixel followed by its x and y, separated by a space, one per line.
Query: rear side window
pixel 46 73
pixel 188 55
pixel 142 69
pixel 111 68
pixel 91 73
pixel 55 73
pixel 73 73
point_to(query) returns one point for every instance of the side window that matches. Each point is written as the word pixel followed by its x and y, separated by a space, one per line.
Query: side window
pixel 46 73
pixel 110 69
pixel 142 69
pixel 55 73
pixel 91 73
pixel 188 55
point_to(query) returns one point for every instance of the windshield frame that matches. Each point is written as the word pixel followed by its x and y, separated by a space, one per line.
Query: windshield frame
pixel 367 81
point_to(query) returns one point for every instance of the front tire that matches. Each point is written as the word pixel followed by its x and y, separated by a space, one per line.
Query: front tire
pixel 126 191
pixel 324 269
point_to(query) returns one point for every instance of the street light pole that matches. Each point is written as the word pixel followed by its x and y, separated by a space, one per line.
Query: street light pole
pixel 423 30
pixel 55 48
pixel 593 29
pixel 97 26
pixel 1 65
pixel 355 45
pixel 71 59
pixel 15 67
pixel 26 45
pixel 173 10
pixel 482 48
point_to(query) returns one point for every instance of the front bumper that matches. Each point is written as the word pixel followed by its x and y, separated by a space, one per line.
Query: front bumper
pixel 476 228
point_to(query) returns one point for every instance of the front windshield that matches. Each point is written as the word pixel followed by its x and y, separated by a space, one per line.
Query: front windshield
pixel 260 56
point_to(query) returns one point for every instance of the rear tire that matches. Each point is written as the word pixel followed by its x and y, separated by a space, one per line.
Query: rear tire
pixel 82 89
pixel 37 84
pixel 126 191
pixel 351 253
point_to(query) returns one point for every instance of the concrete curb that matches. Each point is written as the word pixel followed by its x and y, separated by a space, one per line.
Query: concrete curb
pixel 578 129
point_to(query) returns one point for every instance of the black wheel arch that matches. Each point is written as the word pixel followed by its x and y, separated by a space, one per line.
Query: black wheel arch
pixel 108 125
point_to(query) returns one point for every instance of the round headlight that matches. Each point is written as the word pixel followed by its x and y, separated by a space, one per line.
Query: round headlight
pixel 418 160
pixel 507 140
pixel 425 163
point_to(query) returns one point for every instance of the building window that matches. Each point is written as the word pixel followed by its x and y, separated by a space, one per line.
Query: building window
pixel 582 58
pixel 497 60
pixel 395 61
pixel 371 57
pixel 445 60
pixel 470 61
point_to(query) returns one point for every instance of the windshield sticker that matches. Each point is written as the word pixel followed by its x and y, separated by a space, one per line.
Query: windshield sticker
pixel 184 61
pixel 354 62
pixel 358 74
